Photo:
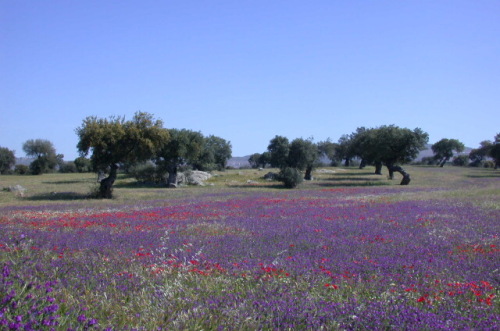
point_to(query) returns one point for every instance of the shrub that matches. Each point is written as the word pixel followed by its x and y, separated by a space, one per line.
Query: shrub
pixel 68 167
pixel 21 169
pixel 488 164
pixel 460 160
pixel 290 177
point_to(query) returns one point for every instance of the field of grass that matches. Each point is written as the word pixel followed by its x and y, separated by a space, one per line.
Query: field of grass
pixel 347 251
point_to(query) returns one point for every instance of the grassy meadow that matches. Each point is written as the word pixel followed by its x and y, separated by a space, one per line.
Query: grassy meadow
pixel 347 251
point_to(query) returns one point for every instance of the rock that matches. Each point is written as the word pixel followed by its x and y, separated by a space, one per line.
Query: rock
pixel 193 177
pixel 271 176
pixel 17 190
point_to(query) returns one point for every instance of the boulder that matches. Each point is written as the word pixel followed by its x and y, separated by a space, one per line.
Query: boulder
pixel 17 190
pixel 192 177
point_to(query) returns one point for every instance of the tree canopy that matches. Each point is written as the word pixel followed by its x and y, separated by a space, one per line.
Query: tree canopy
pixel 183 148
pixel 7 160
pixel 445 148
pixel 114 140
pixel 44 153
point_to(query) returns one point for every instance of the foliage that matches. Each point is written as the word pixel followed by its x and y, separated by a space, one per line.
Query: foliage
pixel 303 153
pixel 460 160
pixel 45 155
pixel 215 154
pixel 278 150
pixel 290 177
pixel 146 172
pixel 254 160
pixel 344 150
pixel 83 164
pixel 386 145
pixel 183 148
pixel 68 167
pixel 494 152
pixel 21 169
pixel 7 160
pixel 445 148
pixel 327 149
pixel 117 141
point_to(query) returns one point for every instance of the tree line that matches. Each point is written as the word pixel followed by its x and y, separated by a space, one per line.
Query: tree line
pixel 115 142
pixel 107 144
pixel 387 145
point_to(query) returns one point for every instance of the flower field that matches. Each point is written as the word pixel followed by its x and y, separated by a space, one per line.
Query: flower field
pixel 332 258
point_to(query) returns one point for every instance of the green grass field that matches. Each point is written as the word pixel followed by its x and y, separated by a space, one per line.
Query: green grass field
pixel 467 183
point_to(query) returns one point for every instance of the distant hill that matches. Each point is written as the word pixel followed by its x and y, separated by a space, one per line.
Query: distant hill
pixel 239 162
pixel 24 160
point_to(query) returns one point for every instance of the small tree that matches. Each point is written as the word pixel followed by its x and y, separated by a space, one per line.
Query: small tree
pixel 254 160
pixel 184 148
pixel 115 141
pixel 327 149
pixel 215 153
pixel 445 148
pixel 302 155
pixel 291 158
pixel 45 155
pixel 7 160
pixel 494 152
pixel 264 159
pixel 278 150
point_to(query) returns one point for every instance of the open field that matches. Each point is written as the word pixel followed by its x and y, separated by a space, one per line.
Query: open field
pixel 349 250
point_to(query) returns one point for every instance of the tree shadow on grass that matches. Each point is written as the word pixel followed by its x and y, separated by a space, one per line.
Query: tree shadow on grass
pixel 352 179
pixel 65 182
pixel 352 184
pixel 139 185
pixel 59 196
pixel 485 174
pixel 351 174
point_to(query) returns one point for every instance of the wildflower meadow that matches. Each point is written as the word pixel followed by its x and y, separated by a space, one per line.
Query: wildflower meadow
pixel 325 256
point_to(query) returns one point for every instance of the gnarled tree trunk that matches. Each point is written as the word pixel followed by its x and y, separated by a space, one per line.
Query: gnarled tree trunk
pixel 106 184
pixel 378 168
pixel 406 176
pixel 172 175
pixel 308 175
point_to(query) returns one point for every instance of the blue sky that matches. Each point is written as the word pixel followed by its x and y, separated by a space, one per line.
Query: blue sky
pixel 249 70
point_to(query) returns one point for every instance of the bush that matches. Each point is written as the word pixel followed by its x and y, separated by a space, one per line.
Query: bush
pixel 460 160
pixel 290 177
pixel 146 173
pixel 68 167
pixel 21 169
pixel 488 164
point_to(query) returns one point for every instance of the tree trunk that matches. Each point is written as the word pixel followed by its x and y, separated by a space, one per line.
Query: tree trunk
pixel 106 185
pixel 362 164
pixel 347 162
pixel 406 176
pixel 308 175
pixel 390 167
pixel 172 175
pixel 443 162
pixel 378 168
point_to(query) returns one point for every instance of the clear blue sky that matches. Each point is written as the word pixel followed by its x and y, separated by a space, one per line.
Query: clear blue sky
pixel 249 70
